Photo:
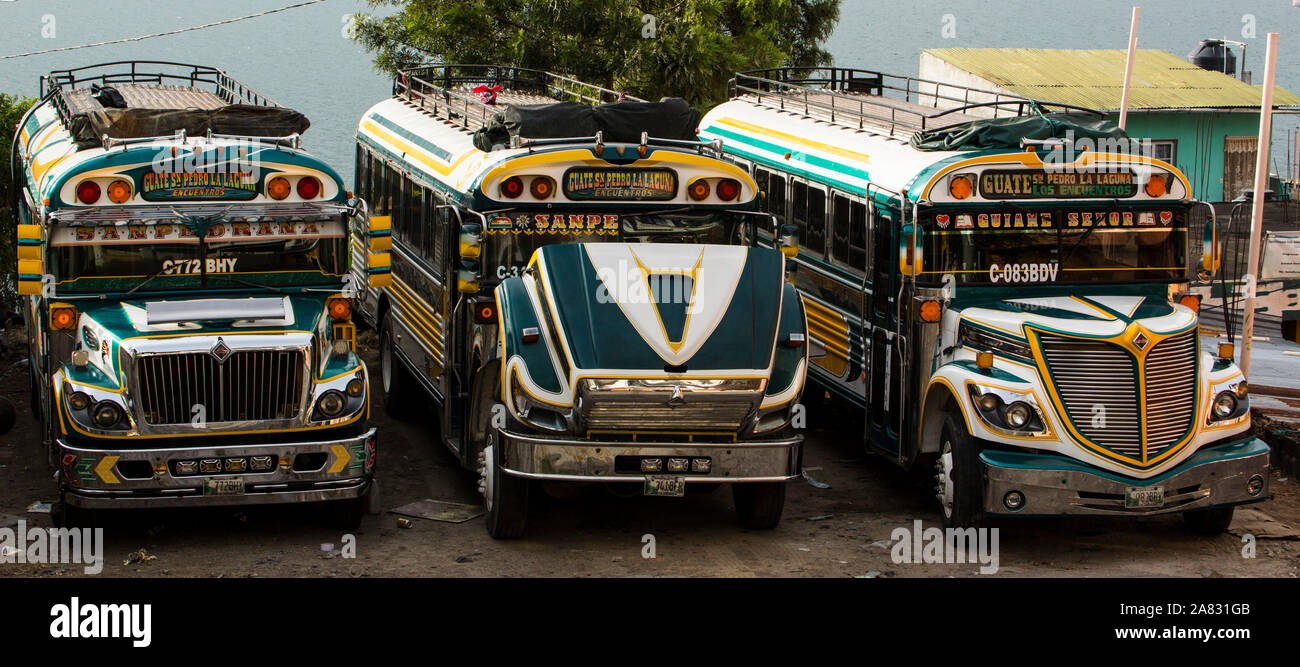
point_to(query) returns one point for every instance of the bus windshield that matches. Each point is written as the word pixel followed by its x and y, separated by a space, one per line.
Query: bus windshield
pixel 510 244
pixel 167 256
pixel 1068 246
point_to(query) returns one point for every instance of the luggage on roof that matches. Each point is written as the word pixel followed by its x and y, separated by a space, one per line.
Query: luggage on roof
pixel 620 122
pixel 995 133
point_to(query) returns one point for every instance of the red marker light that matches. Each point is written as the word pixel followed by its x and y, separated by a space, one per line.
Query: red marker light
pixel 88 192
pixel 512 187
pixel 728 189
pixel 308 187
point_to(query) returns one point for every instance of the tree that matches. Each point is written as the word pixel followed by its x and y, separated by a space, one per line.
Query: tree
pixel 649 48
pixel 11 112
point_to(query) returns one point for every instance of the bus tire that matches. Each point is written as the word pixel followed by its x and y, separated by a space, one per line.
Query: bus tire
pixel 959 482
pixel 759 505
pixel 399 389
pixel 1213 521
pixel 505 497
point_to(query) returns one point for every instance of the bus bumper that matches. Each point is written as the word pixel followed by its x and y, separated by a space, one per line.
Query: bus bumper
pixel 571 460
pixel 260 474
pixel 1054 485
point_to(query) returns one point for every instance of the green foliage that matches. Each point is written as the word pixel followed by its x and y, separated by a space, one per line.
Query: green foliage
pixel 650 48
pixel 11 112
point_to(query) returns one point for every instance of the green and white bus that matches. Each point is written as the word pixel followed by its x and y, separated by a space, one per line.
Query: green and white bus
pixel 576 287
pixel 1001 304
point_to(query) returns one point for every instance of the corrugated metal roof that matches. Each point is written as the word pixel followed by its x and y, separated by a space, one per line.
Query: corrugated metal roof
pixel 1095 78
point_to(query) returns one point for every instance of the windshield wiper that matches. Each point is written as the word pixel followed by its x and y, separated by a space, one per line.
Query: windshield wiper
pixel 144 282
pixel 1084 237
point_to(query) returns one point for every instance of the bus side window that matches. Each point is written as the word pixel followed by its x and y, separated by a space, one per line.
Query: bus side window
pixel 359 172
pixel 429 223
pixel 443 218
pixel 816 234
pixel 393 201
pixel 799 210
pixel 376 189
pixel 414 222
pixel 776 197
pixel 840 224
pixel 858 236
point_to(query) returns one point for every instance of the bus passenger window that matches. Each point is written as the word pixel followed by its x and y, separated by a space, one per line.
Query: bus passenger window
pixel 359 173
pixel 840 231
pixel 377 185
pixel 816 234
pixel 799 210
pixel 776 197
pixel 414 223
pixel 761 177
pixel 858 236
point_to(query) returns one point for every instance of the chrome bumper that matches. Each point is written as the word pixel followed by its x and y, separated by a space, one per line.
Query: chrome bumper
pixel 1056 485
pixel 569 460
pixel 95 478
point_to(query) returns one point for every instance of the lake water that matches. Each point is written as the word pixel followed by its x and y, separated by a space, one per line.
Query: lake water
pixel 301 58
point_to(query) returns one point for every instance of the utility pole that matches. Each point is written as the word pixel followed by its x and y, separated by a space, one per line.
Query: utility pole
pixel 1257 213
pixel 1128 68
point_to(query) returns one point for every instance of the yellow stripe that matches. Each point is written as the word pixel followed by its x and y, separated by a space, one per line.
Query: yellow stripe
pixel 414 151
pixel 827 148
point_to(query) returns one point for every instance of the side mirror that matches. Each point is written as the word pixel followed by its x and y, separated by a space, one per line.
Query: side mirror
pixel 379 263
pixel 471 240
pixel 468 276
pixel 787 239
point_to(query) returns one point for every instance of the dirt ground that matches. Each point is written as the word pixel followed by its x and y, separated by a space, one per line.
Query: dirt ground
pixel 841 531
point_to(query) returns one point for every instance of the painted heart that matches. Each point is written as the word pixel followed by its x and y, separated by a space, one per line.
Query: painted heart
pixel 943 220
pixel 1166 217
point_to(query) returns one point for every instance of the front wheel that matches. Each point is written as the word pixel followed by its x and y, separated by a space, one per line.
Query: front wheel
pixel 958 475
pixel 759 505
pixel 505 497
pixel 1209 522
pixel 399 394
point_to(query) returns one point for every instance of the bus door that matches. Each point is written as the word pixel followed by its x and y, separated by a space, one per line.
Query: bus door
pixel 883 405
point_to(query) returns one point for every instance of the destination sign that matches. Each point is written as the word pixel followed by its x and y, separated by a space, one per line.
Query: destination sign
pixel 1050 220
pixel 1032 184
pixel 554 223
pixel 605 184
pixel 188 186
pixel 234 232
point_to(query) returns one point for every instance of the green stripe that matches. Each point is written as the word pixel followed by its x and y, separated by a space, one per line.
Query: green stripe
pixel 814 160
pixel 442 153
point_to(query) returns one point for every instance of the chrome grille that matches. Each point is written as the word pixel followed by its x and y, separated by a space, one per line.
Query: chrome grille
pixel 1171 391
pixel 250 385
pixel 1097 382
pixel 651 413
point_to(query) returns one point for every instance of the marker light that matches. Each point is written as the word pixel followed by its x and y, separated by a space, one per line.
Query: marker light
pixel 1156 186
pixel 277 188
pixel 542 187
pixel 930 310
pixel 63 319
pixel 308 187
pixel 88 192
pixel 1227 351
pixel 984 360
pixel 512 187
pixel 340 309
pixel 698 190
pixel 531 334
pixel 485 313
pixel 728 189
pixel 119 191
pixel 1192 301
pixel 960 187
pixel 356 387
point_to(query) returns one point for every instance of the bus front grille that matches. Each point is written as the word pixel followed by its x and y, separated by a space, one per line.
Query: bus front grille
pixel 250 385
pixel 650 414
pixel 1098 383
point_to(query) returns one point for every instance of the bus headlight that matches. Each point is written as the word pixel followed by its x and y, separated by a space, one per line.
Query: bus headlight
pixel 1018 415
pixel 1225 404
pixel 331 404
pixel 107 414
pixel 1007 411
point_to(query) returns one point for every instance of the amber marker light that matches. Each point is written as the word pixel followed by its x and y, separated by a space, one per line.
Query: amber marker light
pixel 930 310
pixel 63 319
pixel 542 187
pixel 984 360
pixel 119 191
pixel 698 190
pixel 1192 301
pixel 960 187
pixel 339 309
pixel 1156 186
pixel 278 188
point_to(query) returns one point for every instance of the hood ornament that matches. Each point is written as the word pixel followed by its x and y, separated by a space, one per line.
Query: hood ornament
pixel 1140 341
pixel 220 351
pixel 677 399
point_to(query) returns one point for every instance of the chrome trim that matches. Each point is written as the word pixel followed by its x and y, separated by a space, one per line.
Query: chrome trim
pixel 684 404
pixel 171 312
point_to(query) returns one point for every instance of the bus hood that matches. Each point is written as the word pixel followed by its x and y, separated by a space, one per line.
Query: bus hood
pixel 1090 316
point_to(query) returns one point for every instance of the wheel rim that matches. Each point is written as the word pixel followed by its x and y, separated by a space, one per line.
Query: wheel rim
pixel 943 477
pixel 386 359
pixel 486 472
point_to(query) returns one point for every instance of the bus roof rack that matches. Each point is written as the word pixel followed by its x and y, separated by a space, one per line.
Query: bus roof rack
pixel 189 95
pixel 895 106
pixel 447 91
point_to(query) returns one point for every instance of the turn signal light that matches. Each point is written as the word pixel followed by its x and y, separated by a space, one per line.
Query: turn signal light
pixel 340 309
pixel 698 190
pixel 119 191
pixel 1192 301
pixel 984 360
pixel 485 313
pixel 960 187
pixel 1227 351
pixel 542 187
pixel 63 319
pixel 512 187
pixel 1156 186
pixel 88 192
pixel 308 187
pixel 277 188
pixel 930 310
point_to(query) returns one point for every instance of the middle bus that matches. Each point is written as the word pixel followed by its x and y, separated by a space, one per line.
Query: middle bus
pixel 577 287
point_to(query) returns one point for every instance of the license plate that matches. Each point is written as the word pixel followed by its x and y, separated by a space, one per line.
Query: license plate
pixel 233 486
pixel 674 487
pixel 1144 496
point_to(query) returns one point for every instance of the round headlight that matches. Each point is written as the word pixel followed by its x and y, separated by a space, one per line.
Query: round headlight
pixel 356 387
pixel 1018 415
pixel 107 414
pixel 1225 404
pixel 331 404
pixel 989 402
pixel 78 401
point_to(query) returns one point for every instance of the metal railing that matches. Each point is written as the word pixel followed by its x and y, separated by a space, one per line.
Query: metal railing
pixel 445 90
pixel 156 72
pixel 868 100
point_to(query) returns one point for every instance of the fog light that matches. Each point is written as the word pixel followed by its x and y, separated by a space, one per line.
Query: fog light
pixel 78 401
pixel 701 466
pixel 1255 485
pixel 678 465
pixel 210 465
pixel 262 462
pixel 652 465
pixel 107 414
pixel 1018 415
pixel 356 387
pixel 1014 500
pixel 331 404
pixel 236 465
pixel 187 467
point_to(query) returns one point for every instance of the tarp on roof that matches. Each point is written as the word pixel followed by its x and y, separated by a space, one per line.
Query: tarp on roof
pixel 996 133
pixel 89 127
pixel 621 122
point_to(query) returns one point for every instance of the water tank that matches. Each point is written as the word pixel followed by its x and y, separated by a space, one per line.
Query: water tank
pixel 1215 56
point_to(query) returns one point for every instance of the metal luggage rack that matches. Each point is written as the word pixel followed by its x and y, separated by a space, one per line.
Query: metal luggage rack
pixel 149 72
pixel 444 91
pixel 895 106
